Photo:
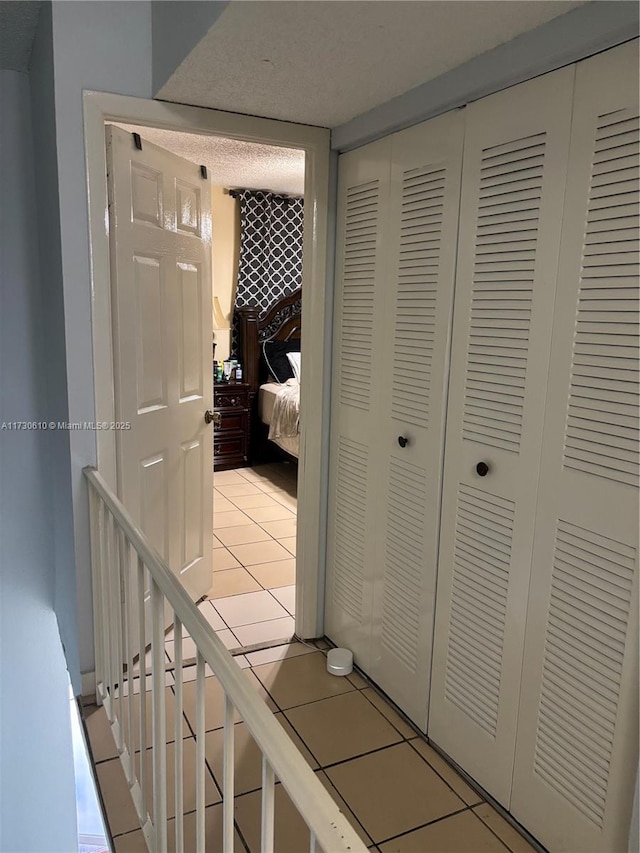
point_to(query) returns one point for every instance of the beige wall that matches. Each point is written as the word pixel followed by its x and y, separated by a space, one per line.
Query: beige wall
pixel 225 215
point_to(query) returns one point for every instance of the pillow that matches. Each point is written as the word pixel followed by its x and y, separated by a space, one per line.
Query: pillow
pixel 275 357
pixel 294 361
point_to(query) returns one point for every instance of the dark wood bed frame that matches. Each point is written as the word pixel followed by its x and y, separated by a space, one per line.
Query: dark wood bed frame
pixel 280 323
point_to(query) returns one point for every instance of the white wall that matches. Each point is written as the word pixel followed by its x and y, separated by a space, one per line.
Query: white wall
pixel 225 223
pixel 37 796
pixel 53 335
pixel 103 46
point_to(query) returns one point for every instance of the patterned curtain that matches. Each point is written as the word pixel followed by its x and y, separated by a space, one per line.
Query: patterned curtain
pixel 271 229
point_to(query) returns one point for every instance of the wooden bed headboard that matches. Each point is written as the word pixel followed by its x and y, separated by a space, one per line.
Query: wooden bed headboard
pixel 280 323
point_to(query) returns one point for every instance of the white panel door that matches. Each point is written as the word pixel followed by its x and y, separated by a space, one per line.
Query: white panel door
pixel 355 487
pixel 514 173
pixel 160 229
pixel 420 260
pixel 577 745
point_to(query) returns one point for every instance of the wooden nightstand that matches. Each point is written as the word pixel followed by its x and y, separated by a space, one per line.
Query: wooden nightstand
pixel 231 436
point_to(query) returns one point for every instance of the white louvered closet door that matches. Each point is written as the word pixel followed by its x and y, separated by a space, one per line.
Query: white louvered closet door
pixel 420 260
pixel 577 751
pixel 355 428
pixel 515 162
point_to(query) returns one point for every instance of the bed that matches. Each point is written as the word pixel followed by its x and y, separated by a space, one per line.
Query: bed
pixel 271 403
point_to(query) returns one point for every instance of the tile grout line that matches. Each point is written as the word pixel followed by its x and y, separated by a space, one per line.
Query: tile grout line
pixel 246 568
pixel 323 768
pixel 266 588
pixel 260 489
pixel 404 738
pixel 356 818
pixel 253 592
pixel 423 825
pixel 423 738
pixel 492 831
pixel 428 763
pixel 276 488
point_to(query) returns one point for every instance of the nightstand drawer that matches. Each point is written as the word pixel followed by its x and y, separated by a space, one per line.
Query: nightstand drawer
pixel 231 421
pixel 230 446
pixel 231 398
pixel 231 434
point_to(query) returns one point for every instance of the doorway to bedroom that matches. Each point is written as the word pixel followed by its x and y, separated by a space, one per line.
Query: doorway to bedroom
pixel 255 523
pixel 256 198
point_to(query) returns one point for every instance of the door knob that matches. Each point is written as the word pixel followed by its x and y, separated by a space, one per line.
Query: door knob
pixel 212 417
pixel 402 441
pixel 482 469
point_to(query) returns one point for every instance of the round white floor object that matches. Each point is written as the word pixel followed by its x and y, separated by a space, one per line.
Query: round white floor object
pixel 340 662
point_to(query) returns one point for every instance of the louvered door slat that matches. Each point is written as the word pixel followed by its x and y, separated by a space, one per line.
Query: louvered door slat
pixel 513 189
pixel 420 257
pixel 577 740
pixel 351 528
pixel 501 322
pixel 359 315
pixel 608 317
pixel 586 598
pixel 358 292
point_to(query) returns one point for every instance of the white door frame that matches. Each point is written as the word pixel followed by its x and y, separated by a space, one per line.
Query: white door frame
pixel 101 107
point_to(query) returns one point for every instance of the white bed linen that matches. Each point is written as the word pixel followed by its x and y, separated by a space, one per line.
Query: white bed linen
pixel 266 401
pixel 267 395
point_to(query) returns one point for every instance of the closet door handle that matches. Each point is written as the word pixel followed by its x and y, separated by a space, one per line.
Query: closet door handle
pixel 482 469
pixel 402 441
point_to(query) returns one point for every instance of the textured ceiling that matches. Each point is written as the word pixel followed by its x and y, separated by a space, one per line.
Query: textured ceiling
pixel 231 163
pixel 18 22
pixel 323 62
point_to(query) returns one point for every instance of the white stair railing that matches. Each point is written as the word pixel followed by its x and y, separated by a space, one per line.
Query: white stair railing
pixel 132 589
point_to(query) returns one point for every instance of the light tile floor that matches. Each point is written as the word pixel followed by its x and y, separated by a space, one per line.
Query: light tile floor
pixel 254 538
pixel 397 792
pixel 400 795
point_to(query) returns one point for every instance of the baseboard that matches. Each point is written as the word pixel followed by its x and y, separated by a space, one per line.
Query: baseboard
pixel 88 688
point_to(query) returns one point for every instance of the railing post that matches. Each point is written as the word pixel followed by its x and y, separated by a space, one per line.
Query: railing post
pixel 95 517
pixel 200 754
pixel 268 807
pixel 142 671
pixel 128 616
pixel 109 620
pixel 158 719
pixel 124 619
pixel 118 627
pixel 104 597
pixel 228 792
pixel 179 745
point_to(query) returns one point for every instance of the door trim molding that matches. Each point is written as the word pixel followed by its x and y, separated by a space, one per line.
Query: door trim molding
pixel 100 107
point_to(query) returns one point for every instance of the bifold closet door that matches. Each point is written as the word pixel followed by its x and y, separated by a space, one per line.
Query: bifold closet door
pixel 420 261
pixel 513 182
pixel 354 476
pixel 577 745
